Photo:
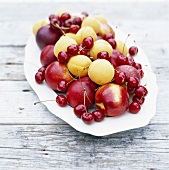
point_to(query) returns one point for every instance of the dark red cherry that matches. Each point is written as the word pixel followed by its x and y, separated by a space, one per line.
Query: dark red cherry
pixel 61 100
pixel 88 42
pixel 63 57
pixel 53 16
pixel 62 86
pixel 65 16
pixel 79 109
pixel 122 60
pixel 134 107
pixel 141 91
pixel 131 90
pixel 120 77
pixel 108 36
pixel 87 118
pixel 138 100
pixel 138 66
pixel 133 82
pixel 112 42
pixel 73 49
pixel 74 28
pixel 85 14
pixel 77 21
pixel 103 55
pixel 133 50
pixel 39 77
pixel 68 23
pixel 141 73
pixel 98 115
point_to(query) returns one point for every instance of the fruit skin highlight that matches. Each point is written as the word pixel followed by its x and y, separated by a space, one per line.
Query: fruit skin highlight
pixel 78 65
pixel 101 71
pixel 113 99
pixel 75 93
pixel 56 72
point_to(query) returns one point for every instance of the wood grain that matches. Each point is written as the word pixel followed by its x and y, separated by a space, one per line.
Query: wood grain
pixel 33 138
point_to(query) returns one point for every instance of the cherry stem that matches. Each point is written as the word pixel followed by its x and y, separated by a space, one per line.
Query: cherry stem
pixel 125 42
pixel 43 101
pixel 61 28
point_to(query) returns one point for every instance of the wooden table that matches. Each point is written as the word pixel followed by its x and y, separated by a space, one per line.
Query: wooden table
pixel 33 138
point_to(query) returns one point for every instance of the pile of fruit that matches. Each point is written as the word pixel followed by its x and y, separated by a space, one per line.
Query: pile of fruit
pixel 82 59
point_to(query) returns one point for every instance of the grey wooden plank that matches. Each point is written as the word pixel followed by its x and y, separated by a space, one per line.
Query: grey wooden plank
pixel 50 147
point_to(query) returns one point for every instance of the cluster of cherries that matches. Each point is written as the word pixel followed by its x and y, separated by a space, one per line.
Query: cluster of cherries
pixel 67 24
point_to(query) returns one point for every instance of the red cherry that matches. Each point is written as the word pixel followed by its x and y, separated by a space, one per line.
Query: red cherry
pixel 61 100
pixel 65 16
pixel 133 82
pixel 112 42
pixel 87 118
pixel 62 86
pixel 73 49
pixel 98 115
pixel 122 60
pixel 68 22
pixel 138 100
pixel 54 22
pixel 88 42
pixel 133 50
pixel 83 52
pixel 42 69
pixel 134 107
pixel 120 77
pixel 138 66
pixel 108 36
pixel 141 91
pixel 77 21
pixel 79 109
pixel 131 90
pixel 39 77
pixel 85 14
pixel 131 61
pixel 141 73
pixel 74 28
pixel 53 16
pixel 103 55
pixel 63 57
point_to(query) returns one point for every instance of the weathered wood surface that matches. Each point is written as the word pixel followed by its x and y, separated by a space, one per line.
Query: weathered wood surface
pixel 33 138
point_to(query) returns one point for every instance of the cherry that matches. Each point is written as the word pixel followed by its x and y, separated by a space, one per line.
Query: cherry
pixel 77 21
pixel 131 61
pixel 134 107
pixel 103 55
pixel 120 77
pixel 138 100
pixel 42 69
pixel 54 22
pixel 133 82
pixel 68 22
pixel 141 73
pixel 63 57
pixel 141 91
pixel 98 115
pixel 122 60
pixel 79 109
pixel 62 86
pixel 83 52
pixel 131 90
pixel 108 36
pixel 133 50
pixel 53 16
pixel 112 42
pixel 73 49
pixel 61 100
pixel 87 118
pixel 85 14
pixel 99 37
pixel 74 28
pixel 65 16
pixel 88 42
pixel 138 66
pixel 39 77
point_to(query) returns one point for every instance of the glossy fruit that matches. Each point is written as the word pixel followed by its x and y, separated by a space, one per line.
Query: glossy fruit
pixel 73 49
pixel 63 57
pixel 133 50
pixel 65 16
pixel 112 42
pixel 141 91
pixel 98 115
pixel 75 93
pixel 103 55
pixel 134 107
pixel 132 82
pixel 61 100
pixel 88 42
pixel 62 86
pixel 46 36
pixel 39 77
pixel 138 100
pixel 120 77
pixel 79 110
pixel 122 60
pixel 74 28
pixel 113 99
pixel 47 55
pixel 108 36
pixel 77 21
pixel 87 118
pixel 56 72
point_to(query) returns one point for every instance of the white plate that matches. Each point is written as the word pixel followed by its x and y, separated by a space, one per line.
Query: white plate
pixel 109 125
